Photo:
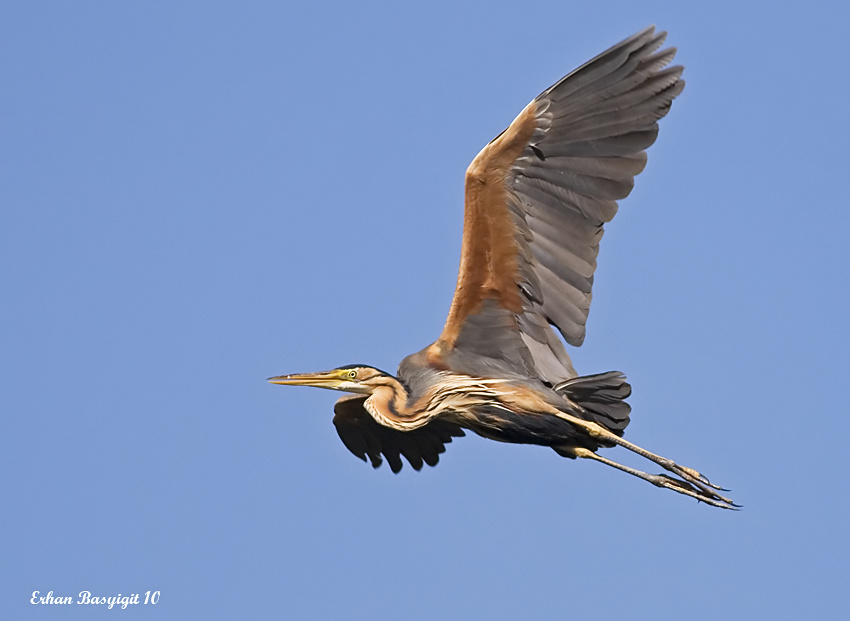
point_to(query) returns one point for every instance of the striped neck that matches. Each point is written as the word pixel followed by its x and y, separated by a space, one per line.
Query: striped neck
pixel 389 405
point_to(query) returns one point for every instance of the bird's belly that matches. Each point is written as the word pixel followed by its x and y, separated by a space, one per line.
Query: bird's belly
pixel 496 422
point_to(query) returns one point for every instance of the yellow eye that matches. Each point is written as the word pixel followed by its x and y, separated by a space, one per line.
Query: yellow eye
pixel 352 374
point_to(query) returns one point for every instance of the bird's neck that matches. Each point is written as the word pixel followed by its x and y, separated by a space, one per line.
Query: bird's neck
pixel 390 406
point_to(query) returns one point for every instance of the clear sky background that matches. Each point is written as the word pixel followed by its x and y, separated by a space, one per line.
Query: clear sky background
pixel 197 196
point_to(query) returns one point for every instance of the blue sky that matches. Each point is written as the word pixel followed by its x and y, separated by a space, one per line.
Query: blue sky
pixel 197 196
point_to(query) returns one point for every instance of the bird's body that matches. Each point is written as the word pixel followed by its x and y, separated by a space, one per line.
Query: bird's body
pixel 506 409
pixel 536 199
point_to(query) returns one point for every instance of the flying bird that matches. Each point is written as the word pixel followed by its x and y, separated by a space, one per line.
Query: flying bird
pixel 536 200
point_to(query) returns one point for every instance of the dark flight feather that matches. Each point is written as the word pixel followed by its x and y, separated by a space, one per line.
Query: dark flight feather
pixel 366 438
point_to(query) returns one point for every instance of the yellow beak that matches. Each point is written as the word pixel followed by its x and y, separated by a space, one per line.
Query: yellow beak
pixel 325 379
pixel 338 379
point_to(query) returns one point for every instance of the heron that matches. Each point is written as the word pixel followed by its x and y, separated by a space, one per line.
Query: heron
pixel 536 199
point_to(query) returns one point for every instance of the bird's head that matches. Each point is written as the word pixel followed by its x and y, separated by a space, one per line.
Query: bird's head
pixel 356 378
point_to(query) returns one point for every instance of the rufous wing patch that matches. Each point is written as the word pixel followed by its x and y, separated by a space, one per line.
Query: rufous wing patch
pixel 489 266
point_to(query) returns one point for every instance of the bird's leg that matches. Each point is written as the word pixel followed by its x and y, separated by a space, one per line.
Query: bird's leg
pixel 659 480
pixel 690 475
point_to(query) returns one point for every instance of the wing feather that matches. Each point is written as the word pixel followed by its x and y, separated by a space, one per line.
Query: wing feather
pixel 536 200
pixel 366 438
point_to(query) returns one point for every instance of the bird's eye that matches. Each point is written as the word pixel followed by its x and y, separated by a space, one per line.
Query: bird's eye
pixel 352 374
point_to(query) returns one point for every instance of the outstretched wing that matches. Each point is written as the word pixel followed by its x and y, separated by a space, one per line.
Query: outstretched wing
pixel 536 200
pixel 365 437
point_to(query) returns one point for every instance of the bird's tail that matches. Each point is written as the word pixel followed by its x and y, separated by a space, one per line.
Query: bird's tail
pixel 603 396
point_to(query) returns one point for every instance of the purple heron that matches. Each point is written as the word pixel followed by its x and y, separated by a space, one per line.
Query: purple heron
pixel 536 200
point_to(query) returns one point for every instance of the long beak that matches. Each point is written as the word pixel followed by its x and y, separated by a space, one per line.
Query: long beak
pixel 325 379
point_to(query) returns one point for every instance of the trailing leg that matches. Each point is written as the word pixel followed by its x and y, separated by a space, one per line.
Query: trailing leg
pixel 689 475
pixel 659 480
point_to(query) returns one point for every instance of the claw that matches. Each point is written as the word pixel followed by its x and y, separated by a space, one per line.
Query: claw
pixel 699 482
